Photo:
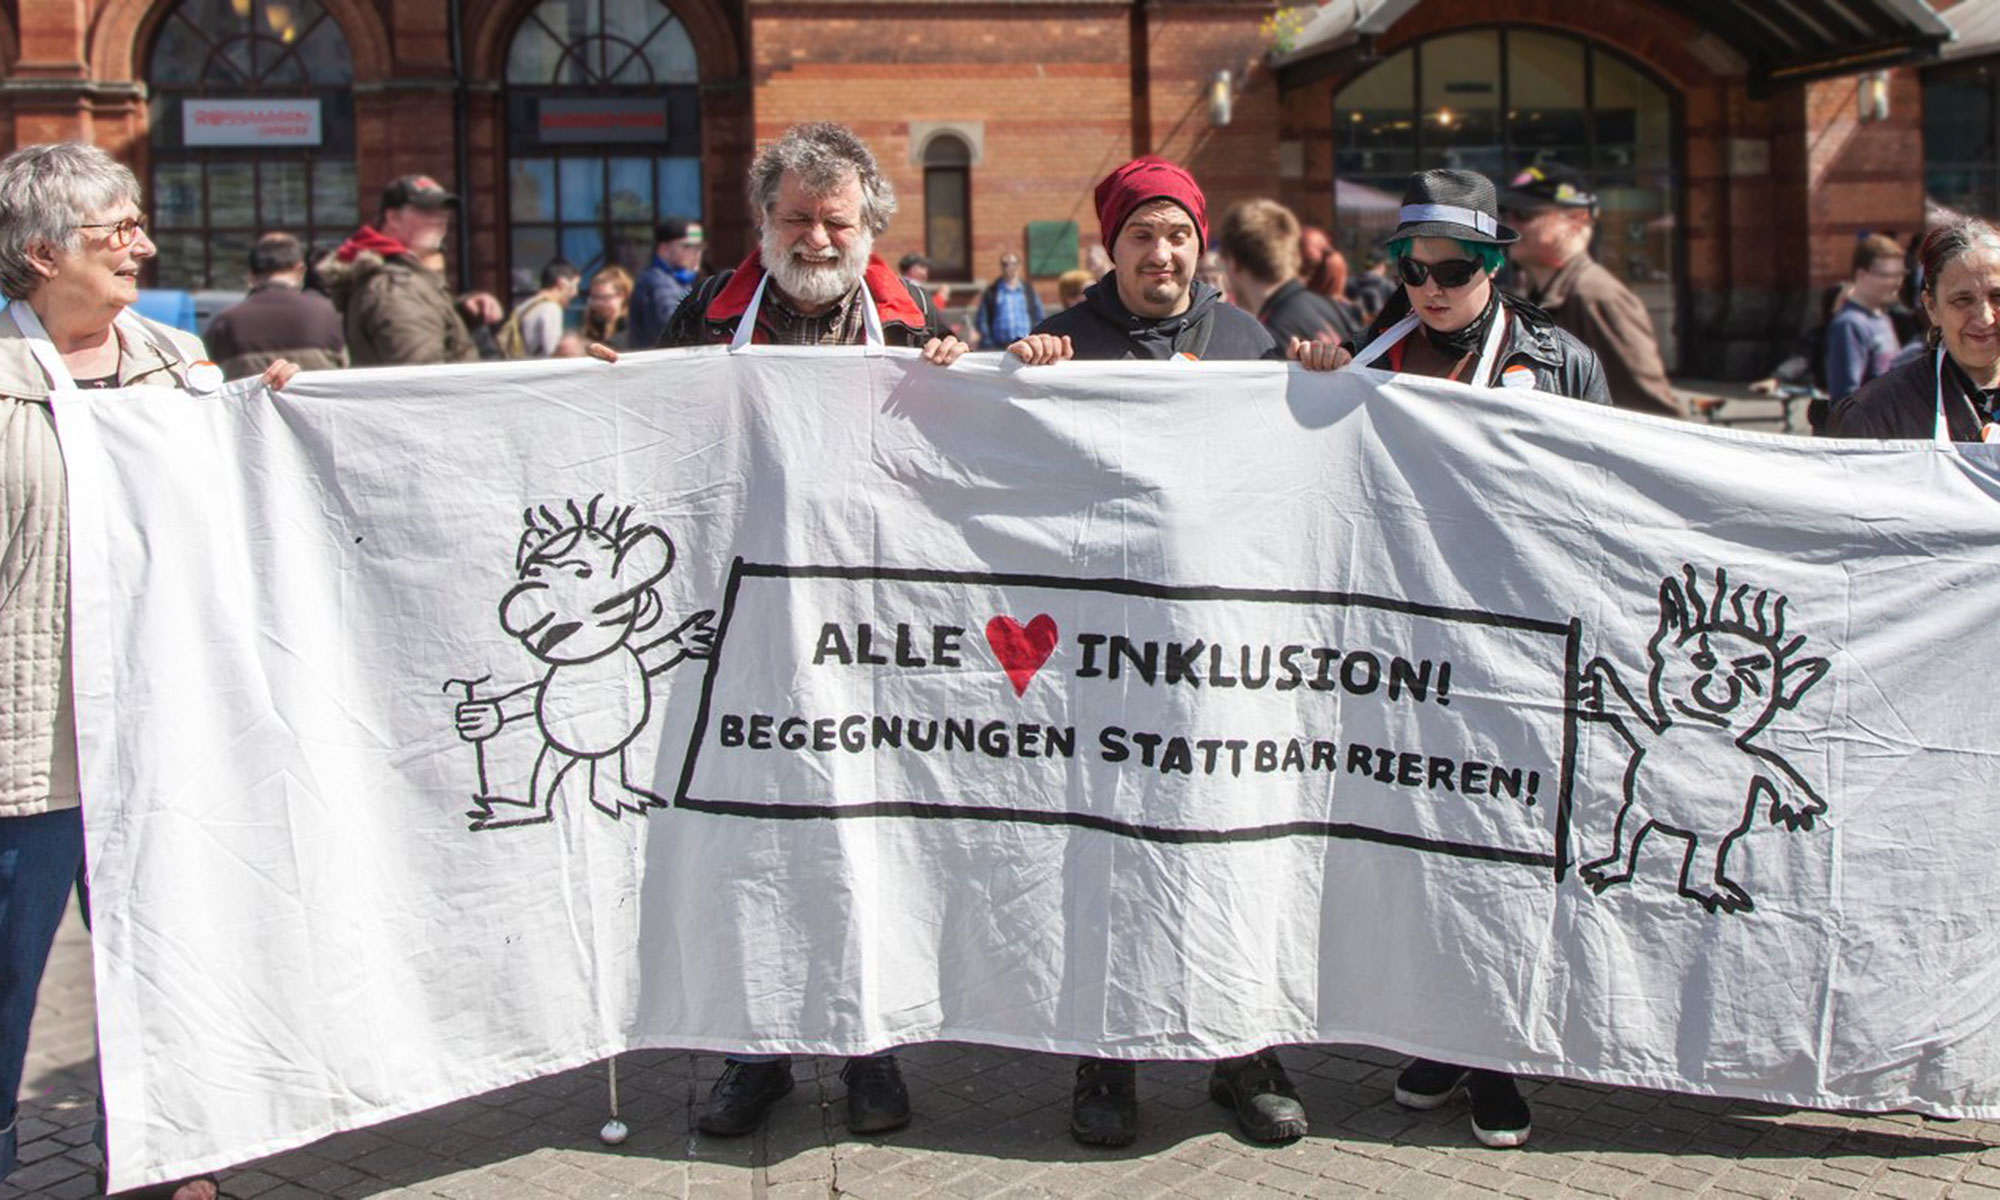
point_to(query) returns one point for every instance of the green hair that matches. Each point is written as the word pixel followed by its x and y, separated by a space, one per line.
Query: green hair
pixel 1490 257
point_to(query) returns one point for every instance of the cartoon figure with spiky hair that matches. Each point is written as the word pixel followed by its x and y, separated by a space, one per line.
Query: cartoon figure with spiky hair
pixel 586 593
pixel 1722 669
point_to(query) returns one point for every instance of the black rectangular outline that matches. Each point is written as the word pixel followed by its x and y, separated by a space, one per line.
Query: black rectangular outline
pixel 1571 631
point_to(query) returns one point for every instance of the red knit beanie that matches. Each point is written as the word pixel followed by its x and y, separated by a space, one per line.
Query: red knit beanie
pixel 1140 182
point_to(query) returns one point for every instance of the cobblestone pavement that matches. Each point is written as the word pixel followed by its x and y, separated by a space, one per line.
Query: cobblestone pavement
pixel 994 1122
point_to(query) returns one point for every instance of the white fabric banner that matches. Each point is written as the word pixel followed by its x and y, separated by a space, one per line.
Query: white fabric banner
pixel 444 728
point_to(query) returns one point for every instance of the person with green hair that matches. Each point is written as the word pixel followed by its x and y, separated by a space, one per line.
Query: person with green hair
pixel 1448 320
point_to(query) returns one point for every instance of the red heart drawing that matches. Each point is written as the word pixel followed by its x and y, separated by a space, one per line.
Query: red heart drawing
pixel 1022 651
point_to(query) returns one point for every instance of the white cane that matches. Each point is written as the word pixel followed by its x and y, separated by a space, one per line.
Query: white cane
pixel 614 1130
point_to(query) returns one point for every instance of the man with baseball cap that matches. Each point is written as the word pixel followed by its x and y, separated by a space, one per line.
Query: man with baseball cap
pixel 660 288
pixel 399 312
pixel 1554 210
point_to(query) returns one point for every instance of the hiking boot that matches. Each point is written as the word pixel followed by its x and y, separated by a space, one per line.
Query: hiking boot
pixel 1104 1108
pixel 740 1098
pixel 1267 1105
pixel 877 1101
pixel 1426 1085
pixel 1499 1115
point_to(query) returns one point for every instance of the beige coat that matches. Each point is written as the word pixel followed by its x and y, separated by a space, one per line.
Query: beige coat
pixel 37 719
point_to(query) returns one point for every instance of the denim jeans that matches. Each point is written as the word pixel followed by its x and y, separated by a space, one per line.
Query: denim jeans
pixel 41 859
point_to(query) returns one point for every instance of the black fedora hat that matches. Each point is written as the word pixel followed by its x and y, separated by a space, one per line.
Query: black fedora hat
pixel 1452 204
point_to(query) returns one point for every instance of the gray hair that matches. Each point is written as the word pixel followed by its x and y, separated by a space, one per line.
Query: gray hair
pixel 1946 243
pixel 823 155
pixel 45 191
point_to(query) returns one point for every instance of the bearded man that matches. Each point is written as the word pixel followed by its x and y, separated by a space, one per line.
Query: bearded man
pixel 819 201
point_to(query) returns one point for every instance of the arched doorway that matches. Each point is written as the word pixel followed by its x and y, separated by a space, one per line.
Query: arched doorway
pixel 603 133
pixel 1496 100
pixel 251 131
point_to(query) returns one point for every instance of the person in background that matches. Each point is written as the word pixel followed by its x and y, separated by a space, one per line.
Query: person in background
pixel 1861 340
pixel 570 345
pixel 278 319
pixel 1323 269
pixel 914 268
pixel 398 311
pixel 1070 286
pixel 536 324
pixel 1951 392
pixel 1555 212
pixel 1258 241
pixel 1210 271
pixel 678 245
pixel 1371 290
pixel 1008 308
pixel 606 306
pixel 72 244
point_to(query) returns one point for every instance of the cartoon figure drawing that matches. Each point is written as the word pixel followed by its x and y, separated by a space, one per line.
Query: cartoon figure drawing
pixel 1722 669
pixel 585 596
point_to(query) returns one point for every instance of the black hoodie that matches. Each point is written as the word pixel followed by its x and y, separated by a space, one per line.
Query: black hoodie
pixel 1103 328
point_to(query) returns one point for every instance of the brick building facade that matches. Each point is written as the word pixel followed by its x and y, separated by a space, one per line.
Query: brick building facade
pixel 1004 112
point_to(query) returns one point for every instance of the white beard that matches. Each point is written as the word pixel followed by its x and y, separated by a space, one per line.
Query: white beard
pixel 816 282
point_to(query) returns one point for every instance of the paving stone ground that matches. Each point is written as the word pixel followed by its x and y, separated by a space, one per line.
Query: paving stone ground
pixel 994 1123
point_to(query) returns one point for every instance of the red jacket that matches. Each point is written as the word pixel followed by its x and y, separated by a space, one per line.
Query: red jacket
pixel 711 312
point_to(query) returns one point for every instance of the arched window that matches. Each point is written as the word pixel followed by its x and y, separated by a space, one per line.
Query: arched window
pixel 252 132
pixel 1497 100
pixel 603 134
pixel 948 206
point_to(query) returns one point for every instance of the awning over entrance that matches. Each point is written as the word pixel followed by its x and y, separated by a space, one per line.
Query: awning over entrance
pixel 1777 41
pixel 1977 23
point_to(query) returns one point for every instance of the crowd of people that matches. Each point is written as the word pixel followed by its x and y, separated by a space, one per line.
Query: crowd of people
pixel 73 243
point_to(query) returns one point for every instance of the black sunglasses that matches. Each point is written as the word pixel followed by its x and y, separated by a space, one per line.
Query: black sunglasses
pixel 1452 273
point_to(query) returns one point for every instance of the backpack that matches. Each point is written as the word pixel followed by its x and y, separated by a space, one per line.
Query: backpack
pixel 509 337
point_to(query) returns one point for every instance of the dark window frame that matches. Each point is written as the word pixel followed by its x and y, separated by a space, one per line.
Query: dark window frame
pixel 520 144
pixel 218 78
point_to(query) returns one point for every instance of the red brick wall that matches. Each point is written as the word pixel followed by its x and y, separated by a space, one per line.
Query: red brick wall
pixel 1862 177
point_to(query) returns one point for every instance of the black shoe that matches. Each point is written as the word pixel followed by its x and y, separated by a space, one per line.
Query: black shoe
pixel 1104 1108
pixel 877 1101
pixel 1267 1105
pixel 1499 1115
pixel 738 1101
pixel 1426 1085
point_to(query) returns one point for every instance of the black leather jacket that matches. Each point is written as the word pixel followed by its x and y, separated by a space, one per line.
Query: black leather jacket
pixel 1561 364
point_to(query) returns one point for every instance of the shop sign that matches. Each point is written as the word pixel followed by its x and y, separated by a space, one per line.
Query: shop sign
pixel 279 122
pixel 567 121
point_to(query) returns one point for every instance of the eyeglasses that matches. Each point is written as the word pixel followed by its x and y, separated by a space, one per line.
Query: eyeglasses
pixel 1452 273
pixel 123 233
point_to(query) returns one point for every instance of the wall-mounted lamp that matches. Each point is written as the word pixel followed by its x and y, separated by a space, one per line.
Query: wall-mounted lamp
pixel 1873 96
pixel 1221 99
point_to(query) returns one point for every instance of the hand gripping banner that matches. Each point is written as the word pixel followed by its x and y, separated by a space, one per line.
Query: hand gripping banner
pixel 444 728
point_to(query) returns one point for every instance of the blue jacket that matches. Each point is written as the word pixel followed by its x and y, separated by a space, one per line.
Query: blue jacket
pixel 655 296
pixel 989 304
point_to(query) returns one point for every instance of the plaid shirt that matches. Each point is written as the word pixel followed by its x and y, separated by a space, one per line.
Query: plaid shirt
pixel 842 325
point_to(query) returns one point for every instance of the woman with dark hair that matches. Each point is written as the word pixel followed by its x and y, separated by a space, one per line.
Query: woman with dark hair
pixel 1949 393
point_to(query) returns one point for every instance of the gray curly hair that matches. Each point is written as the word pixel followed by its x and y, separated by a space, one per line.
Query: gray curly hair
pixel 45 192
pixel 823 155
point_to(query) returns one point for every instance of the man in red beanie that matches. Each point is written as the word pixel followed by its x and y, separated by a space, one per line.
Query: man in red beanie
pixel 1151 306
pixel 1153 217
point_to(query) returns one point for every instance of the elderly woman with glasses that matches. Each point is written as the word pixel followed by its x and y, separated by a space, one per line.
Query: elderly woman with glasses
pixel 72 242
